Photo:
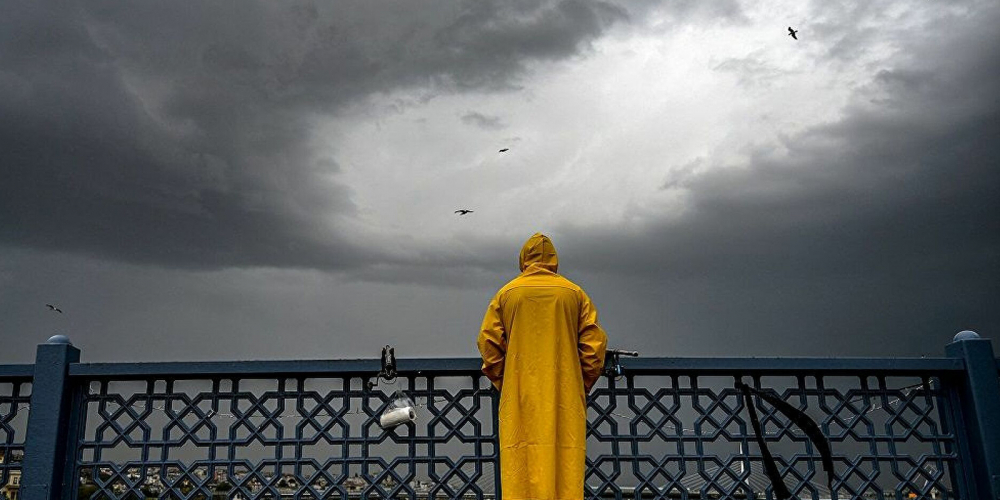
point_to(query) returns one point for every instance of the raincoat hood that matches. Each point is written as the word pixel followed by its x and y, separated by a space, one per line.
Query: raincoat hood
pixel 539 251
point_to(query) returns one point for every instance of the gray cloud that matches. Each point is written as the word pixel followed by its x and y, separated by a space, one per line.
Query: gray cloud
pixel 115 312
pixel 751 71
pixel 485 122
pixel 876 233
pixel 845 31
pixel 693 10
pixel 676 12
pixel 492 39
pixel 181 137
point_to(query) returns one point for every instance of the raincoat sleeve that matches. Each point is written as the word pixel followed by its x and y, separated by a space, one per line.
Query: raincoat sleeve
pixel 591 345
pixel 493 343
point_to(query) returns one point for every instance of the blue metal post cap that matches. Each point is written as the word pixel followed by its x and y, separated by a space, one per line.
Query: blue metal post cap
pixel 59 339
pixel 966 335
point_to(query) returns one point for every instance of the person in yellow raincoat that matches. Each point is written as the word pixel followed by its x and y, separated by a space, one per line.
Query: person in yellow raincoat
pixel 543 350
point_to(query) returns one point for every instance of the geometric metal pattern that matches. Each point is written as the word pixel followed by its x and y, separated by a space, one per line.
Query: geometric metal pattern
pixel 286 438
pixel 676 436
pixel 653 433
pixel 15 396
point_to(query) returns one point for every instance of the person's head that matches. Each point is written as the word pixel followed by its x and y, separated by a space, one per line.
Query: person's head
pixel 539 251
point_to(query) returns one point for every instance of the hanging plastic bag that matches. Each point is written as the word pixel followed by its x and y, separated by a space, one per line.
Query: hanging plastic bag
pixel 399 411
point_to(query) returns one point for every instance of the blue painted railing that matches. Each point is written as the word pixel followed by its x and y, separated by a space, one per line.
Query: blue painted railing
pixel 664 428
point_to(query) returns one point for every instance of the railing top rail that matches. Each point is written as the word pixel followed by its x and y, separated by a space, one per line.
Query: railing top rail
pixel 793 366
pixel 16 371
pixel 471 367
pixel 270 369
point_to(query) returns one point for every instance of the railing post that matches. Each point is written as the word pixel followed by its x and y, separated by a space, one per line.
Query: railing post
pixel 980 408
pixel 44 467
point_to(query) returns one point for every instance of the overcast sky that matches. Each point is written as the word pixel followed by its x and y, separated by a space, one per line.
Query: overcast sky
pixel 278 180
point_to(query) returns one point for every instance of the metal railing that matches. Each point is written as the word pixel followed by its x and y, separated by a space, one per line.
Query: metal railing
pixel 663 428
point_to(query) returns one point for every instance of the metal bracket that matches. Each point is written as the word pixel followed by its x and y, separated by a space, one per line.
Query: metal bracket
pixel 388 371
pixel 613 363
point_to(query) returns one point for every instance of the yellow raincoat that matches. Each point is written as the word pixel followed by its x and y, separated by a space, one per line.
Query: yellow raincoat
pixel 543 349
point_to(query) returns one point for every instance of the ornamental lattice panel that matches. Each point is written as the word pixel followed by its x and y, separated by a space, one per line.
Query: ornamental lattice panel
pixel 286 438
pixel 650 436
pixel 690 437
pixel 15 396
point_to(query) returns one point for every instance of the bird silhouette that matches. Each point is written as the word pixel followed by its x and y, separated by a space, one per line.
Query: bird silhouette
pixel 792 33
pixel 53 308
pixel 463 212
pixel 504 150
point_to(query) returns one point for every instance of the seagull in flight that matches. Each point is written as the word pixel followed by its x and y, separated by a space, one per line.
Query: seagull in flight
pixel 53 308
pixel 504 150
pixel 792 33
pixel 463 212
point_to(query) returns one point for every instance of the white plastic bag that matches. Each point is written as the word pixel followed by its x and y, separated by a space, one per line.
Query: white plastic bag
pixel 399 411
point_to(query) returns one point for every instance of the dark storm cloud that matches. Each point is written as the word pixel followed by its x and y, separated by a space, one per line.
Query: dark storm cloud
pixel 845 31
pixel 485 122
pixel 146 132
pixel 492 39
pixel 875 233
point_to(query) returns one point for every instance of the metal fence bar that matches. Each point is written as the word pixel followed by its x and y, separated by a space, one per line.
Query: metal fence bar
pixel 16 371
pixel 271 369
pixel 45 470
pixel 791 366
pixel 471 366
pixel 980 400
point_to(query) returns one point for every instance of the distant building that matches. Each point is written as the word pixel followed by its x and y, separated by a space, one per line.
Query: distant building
pixel 13 486
pixel 12 489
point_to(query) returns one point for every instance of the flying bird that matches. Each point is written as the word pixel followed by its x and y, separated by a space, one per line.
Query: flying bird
pixel 504 150
pixel 53 308
pixel 792 33
pixel 463 212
